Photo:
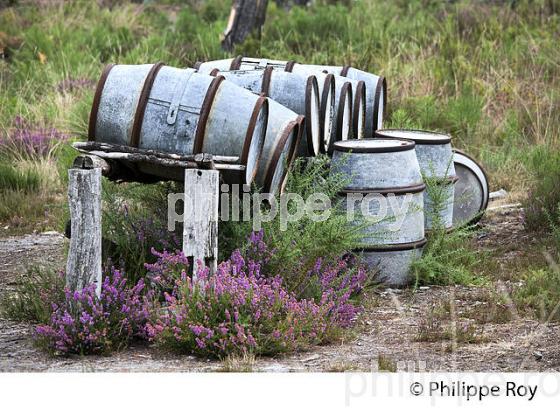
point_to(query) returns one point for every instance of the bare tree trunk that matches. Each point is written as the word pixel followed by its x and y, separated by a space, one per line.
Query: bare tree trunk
pixel 245 17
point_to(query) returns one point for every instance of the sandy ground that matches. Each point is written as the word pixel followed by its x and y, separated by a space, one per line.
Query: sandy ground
pixel 387 335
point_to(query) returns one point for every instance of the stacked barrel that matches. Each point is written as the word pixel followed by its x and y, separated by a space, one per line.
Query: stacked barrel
pixel 402 184
pixel 385 184
pixel 265 113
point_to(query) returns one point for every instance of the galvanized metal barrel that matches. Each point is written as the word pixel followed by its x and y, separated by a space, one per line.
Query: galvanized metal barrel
pixel 283 133
pixel 384 184
pixel 343 118
pixel 355 92
pixel 327 92
pixel 435 157
pixel 243 63
pixel 472 192
pixel 376 92
pixel 298 93
pixel 326 86
pixel 179 111
pixel 376 95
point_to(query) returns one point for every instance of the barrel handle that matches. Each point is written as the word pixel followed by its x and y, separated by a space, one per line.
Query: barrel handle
pixel 178 93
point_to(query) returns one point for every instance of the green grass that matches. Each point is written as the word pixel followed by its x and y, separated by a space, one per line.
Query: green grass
pixel 540 294
pixel 13 179
pixel 31 302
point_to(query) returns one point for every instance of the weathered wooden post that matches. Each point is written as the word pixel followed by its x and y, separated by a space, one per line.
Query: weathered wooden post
pixel 83 266
pixel 200 226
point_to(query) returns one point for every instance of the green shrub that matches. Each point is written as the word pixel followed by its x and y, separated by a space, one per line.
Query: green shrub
pixel 35 292
pixel 299 244
pixel 540 293
pixel 449 257
pixel 543 201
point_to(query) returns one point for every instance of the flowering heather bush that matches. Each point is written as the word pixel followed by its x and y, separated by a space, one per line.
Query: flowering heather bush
pixel 86 324
pixel 168 268
pixel 239 310
pixel 25 142
pixel 137 225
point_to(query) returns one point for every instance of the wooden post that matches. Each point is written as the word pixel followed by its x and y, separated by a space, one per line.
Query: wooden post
pixel 200 226
pixel 83 266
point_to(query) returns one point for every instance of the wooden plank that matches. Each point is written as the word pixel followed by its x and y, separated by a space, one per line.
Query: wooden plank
pixel 83 266
pixel 200 225
pixel 90 146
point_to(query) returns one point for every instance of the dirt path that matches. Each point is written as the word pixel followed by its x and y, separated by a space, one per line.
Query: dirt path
pixel 433 329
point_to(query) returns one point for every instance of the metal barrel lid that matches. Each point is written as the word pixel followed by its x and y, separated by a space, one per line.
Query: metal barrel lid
pixel 374 145
pixel 418 136
pixel 472 192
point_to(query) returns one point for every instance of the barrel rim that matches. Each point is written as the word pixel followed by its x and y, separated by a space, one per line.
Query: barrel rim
pixel 265 84
pixel 486 200
pixel 328 88
pixel 197 65
pixel 344 70
pixel 236 63
pixel 269 177
pixel 300 119
pixel 142 103
pixel 406 145
pixel 360 95
pixel 214 72
pixel 446 139
pixel 289 66
pixel 92 125
pixel 311 85
pixel 260 104
pixel 448 180
pixel 408 246
pixel 381 86
pixel 198 143
pixel 345 98
pixel 402 190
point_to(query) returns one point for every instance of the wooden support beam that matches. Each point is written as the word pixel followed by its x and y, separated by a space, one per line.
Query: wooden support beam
pixel 200 224
pixel 83 266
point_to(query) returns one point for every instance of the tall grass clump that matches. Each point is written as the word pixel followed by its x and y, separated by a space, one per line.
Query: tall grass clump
pixel 449 256
pixel 29 174
pixel 543 202
pixel 13 179
pixel 35 293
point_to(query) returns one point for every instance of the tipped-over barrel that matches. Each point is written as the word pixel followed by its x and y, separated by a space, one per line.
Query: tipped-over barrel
pixel 282 138
pixel 376 94
pixel 472 192
pixel 296 92
pixel 350 97
pixel 179 111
